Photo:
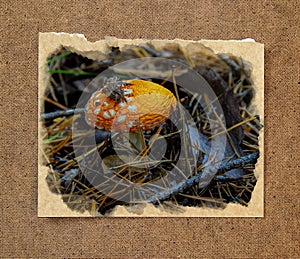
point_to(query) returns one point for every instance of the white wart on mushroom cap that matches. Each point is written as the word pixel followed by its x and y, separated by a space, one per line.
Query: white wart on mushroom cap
pixel 146 105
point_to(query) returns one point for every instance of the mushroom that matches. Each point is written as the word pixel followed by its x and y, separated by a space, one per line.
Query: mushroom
pixel 129 105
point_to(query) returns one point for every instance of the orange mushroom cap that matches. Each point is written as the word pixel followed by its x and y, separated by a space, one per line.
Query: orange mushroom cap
pixel 146 106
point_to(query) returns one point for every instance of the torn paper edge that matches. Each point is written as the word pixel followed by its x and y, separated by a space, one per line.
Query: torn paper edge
pixel 51 205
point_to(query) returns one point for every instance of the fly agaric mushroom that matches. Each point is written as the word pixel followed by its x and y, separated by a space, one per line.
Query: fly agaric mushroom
pixel 129 105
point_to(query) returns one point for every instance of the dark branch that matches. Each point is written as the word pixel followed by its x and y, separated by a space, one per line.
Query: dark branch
pixel 238 163
pixel 56 114
pixel 225 166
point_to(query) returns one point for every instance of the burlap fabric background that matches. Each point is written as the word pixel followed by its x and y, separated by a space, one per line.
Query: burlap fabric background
pixel 23 234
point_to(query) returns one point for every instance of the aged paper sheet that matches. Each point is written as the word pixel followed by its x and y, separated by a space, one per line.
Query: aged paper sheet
pixel 51 205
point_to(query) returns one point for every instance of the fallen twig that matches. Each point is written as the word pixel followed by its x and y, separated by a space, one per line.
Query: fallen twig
pixel 225 166
pixel 56 114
